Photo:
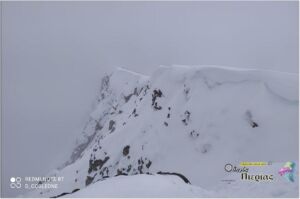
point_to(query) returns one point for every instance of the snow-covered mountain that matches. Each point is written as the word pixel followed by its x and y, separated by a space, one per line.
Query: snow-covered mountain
pixel 187 120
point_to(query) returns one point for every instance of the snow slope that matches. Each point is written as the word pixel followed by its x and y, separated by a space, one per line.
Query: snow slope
pixel 141 186
pixel 184 119
pixel 148 186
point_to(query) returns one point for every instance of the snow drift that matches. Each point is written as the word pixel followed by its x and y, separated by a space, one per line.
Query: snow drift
pixel 188 120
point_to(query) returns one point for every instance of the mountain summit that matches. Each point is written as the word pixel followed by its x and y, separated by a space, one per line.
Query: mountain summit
pixel 187 122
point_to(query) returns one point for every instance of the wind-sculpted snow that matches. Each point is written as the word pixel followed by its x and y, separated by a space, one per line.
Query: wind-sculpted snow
pixel 185 120
pixel 283 84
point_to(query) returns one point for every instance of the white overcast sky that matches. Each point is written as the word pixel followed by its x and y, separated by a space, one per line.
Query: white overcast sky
pixel 55 53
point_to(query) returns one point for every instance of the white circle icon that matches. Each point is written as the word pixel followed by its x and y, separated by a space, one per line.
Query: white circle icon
pixel 12 179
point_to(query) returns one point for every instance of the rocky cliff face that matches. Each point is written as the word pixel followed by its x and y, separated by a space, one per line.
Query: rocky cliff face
pixel 188 120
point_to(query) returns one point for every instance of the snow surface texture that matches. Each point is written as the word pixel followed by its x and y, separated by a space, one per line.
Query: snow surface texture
pixel 188 120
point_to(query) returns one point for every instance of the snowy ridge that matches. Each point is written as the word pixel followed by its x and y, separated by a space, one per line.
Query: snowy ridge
pixel 282 83
pixel 191 120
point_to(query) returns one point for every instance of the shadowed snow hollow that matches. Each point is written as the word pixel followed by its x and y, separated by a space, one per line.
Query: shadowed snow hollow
pixel 187 120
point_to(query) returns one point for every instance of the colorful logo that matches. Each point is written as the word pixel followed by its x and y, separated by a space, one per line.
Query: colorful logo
pixel 288 171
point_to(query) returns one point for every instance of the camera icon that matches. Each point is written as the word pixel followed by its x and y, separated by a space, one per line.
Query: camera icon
pixel 15 182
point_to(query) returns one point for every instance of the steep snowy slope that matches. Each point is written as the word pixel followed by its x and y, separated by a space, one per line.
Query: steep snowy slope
pixel 188 120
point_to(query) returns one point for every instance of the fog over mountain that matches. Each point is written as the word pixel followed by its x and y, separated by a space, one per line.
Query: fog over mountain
pixel 54 55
